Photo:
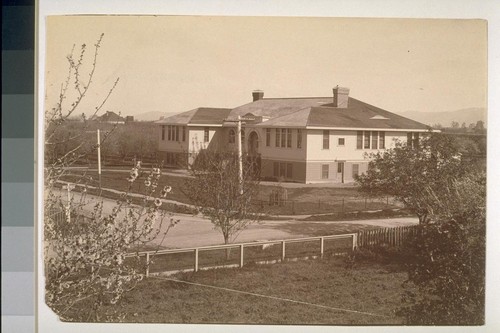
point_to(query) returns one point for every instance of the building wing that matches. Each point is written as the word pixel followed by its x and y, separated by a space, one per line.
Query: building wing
pixel 198 116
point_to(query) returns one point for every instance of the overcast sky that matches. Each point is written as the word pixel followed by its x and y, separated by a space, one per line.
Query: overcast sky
pixel 177 63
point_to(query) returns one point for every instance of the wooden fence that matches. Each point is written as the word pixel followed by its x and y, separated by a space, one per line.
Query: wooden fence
pixel 239 255
pixel 395 236
pixel 342 205
pixel 244 253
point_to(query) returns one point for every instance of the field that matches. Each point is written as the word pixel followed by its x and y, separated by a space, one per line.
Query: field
pixel 328 291
pixel 301 199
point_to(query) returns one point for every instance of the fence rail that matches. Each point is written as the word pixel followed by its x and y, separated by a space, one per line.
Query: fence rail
pixel 342 205
pixel 261 251
pixel 273 251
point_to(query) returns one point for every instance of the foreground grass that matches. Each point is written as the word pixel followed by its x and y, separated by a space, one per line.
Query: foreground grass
pixel 372 288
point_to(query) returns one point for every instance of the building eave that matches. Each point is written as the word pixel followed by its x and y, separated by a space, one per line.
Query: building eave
pixel 370 129
pixel 204 125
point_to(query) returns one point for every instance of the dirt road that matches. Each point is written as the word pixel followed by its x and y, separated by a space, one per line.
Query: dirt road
pixel 193 231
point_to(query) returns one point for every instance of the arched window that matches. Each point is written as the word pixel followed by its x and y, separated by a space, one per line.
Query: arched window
pixel 232 136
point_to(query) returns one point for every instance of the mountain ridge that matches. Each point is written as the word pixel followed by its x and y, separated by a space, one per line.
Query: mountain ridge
pixel 445 118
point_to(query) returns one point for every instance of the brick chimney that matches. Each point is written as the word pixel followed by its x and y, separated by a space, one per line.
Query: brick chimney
pixel 257 95
pixel 340 97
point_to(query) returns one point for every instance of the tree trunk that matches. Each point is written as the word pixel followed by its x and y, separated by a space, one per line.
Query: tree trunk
pixel 228 250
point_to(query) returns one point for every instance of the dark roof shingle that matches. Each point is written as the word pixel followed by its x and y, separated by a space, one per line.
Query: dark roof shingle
pixel 357 115
pixel 199 116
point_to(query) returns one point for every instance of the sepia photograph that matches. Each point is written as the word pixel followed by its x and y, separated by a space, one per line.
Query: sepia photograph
pixel 264 170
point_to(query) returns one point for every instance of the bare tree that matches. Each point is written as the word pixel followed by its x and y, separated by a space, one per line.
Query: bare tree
pixel 219 193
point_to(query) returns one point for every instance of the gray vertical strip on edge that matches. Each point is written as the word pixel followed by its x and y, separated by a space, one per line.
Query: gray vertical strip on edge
pixel 17 166
pixel 17 249
pixel 18 205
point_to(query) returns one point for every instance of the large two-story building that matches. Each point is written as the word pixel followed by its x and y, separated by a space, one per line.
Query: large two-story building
pixel 308 140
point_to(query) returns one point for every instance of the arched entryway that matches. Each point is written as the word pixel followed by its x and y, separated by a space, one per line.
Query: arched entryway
pixel 253 144
pixel 253 152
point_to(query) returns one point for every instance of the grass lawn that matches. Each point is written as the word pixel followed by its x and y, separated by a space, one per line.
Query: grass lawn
pixel 301 200
pixel 329 283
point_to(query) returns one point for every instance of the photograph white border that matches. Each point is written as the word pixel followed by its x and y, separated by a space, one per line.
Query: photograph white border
pixel 482 9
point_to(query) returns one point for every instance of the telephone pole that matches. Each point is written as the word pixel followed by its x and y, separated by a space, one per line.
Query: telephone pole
pixel 240 156
pixel 238 122
pixel 99 157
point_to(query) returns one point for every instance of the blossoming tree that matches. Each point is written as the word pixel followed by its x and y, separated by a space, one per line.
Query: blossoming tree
pixel 86 238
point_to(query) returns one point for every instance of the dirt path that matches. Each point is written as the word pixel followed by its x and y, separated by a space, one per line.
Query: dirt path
pixel 193 231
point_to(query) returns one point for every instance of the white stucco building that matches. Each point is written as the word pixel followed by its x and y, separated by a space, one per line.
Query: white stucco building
pixel 308 140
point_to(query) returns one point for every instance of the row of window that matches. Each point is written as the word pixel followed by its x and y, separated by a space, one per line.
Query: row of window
pixel 283 169
pixel 325 170
pixel 370 140
pixel 283 138
pixel 172 132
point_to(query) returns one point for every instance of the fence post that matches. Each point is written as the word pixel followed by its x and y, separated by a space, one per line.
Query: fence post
pixel 241 255
pixel 283 251
pixel 319 204
pixel 322 246
pixel 354 241
pixel 147 264
pixel 196 260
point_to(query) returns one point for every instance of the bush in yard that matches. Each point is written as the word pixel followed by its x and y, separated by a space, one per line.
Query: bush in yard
pixel 434 179
pixel 407 170
pixel 448 258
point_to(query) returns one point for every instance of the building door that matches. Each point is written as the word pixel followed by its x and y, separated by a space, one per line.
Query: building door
pixel 253 153
pixel 340 169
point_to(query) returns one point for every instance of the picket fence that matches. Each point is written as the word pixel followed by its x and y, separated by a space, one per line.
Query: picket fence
pixel 393 236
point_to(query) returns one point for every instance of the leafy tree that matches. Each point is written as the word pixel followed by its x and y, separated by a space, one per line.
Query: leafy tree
pixel 85 238
pixel 447 262
pixel 215 188
pixel 480 127
pixel 405 171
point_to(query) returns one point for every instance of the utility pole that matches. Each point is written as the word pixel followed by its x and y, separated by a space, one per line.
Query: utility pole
pixel 240 156
pixel 240 149
pixel 99 157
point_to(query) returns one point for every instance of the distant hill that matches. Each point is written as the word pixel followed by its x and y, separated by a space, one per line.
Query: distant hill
pixel 153 115
pixel 467 116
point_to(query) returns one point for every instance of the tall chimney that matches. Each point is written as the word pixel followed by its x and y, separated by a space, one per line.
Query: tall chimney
pixel 340 97
pixel 257 95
